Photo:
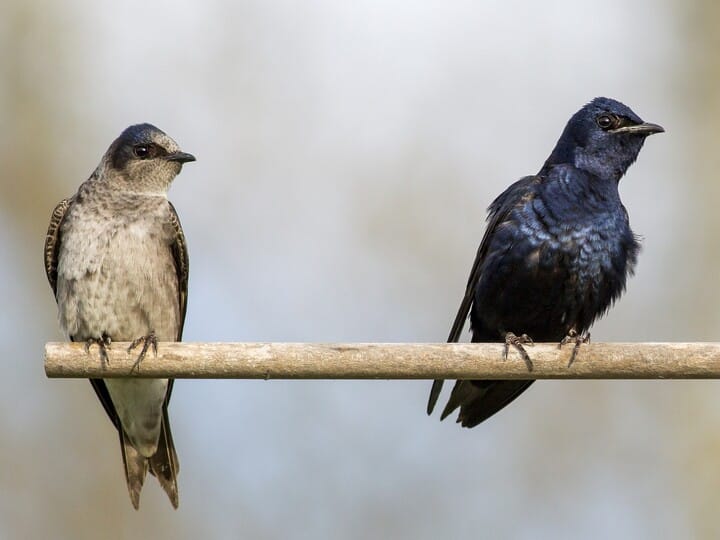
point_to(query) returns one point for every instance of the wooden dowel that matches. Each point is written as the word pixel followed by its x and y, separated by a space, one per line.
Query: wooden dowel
pixel 388 361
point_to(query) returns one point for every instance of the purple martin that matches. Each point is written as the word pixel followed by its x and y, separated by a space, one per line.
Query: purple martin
pixel 116 260
pixel 556 253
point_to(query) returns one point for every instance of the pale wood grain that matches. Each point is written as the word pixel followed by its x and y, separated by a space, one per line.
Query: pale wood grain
pixel 389 361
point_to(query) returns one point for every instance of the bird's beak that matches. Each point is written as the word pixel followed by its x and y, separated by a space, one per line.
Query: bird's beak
pixel 180 157
pixel 646 128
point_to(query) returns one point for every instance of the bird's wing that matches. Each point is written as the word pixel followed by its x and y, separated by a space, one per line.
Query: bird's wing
pixel 52 242
pixel 498 212
pixel 180 256
pixel 182 269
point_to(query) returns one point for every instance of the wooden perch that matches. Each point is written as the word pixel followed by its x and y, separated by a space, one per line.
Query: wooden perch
pixel 388 361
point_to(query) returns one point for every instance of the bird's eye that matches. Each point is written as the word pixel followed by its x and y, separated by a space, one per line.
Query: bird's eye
pixel 606 121
pixel 141 151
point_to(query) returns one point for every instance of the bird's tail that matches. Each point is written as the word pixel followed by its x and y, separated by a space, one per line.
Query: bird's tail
pixel 136 467
pixel 479 400
pixel 163 464
pixel 434 394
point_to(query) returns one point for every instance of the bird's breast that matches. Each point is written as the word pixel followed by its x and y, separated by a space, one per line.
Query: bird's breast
pixel 542 277
pixel 116 276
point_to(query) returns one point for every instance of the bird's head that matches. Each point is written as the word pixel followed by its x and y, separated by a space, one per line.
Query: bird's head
pixel 144 159
pixel 603 138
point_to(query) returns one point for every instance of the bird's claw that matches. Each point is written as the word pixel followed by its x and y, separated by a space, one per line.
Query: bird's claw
pixel 517 342
pixel 148 341
pixel 577 339
pixel 103 343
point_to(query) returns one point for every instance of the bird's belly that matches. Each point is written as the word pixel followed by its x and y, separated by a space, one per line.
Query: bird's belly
pixel 545 298
pixel 128 289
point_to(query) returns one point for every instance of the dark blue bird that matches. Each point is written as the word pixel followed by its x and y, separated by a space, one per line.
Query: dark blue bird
pixel 556 253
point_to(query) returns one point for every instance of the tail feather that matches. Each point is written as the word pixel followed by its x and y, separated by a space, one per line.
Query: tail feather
pixel 434 394
pixel 462 392
pixel 479 400
pixel 164 463
pixel 136 467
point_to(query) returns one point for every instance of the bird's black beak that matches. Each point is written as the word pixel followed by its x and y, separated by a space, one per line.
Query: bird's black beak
pixel 646 128
pixel 180 157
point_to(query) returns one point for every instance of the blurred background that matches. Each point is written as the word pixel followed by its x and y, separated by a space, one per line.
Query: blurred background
pixel 346 154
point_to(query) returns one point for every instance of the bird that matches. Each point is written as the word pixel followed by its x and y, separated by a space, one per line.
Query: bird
pixel 117 263
pixel 556 254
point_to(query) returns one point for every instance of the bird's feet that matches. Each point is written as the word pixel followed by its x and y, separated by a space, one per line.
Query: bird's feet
pixel 103 343
pixel 577 339
pixel 148 341
pixel 518 342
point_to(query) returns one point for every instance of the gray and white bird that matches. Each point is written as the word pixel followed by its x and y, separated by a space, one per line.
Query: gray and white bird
pixel 116 259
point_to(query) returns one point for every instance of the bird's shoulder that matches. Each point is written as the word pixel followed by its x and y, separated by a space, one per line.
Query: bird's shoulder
pixel 518 193
pixel 182 262
pixel 503 220
pixel 507 211
pixel 53 240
